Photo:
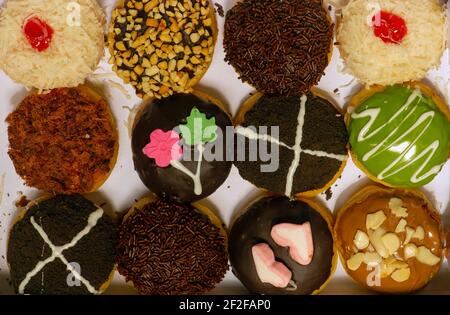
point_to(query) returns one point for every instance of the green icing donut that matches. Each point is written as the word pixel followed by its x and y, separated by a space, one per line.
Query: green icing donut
pixel 400 136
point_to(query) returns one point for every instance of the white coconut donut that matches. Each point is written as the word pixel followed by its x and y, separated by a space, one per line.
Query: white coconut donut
pixel 75 47
pixel 373 60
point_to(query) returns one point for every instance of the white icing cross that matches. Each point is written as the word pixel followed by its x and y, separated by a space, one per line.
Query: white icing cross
pixel 57 252
pixel 195 177
pixel 251 134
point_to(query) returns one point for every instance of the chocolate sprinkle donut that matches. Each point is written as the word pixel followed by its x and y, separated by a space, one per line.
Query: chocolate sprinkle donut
pixel 278 46
pixel 167 248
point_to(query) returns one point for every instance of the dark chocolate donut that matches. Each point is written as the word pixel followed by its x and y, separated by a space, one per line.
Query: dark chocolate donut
pixel 88 240
pixel 311 144
pixel 162 146
pixel 256 226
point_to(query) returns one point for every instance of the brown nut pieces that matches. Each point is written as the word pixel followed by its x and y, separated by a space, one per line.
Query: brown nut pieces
pixel 162 47
pixel 384 248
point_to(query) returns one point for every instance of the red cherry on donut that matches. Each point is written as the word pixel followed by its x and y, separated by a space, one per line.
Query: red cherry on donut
pixel 390 28
pixel 38 33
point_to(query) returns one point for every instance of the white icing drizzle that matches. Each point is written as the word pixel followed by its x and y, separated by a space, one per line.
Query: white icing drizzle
pixel 338 157
pixel 57 252
pixel 373 113
pixel 253 135
pixel 424 120
pixel 195 177
pixel 297 149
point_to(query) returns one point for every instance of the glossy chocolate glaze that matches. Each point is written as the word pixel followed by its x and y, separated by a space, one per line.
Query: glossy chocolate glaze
pixel 169 182
pixel 254 226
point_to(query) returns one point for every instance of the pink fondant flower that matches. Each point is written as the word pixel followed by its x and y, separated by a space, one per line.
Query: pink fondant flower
pixel 163 147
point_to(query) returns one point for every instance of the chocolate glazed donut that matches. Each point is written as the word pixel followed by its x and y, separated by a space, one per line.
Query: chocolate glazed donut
pixel 254 227
pixel 165 115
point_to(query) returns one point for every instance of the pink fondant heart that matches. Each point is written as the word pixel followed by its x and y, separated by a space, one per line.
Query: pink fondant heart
pixel 298 237
pixel 269 270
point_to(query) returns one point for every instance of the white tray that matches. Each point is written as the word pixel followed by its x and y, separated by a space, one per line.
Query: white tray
pixel 124 185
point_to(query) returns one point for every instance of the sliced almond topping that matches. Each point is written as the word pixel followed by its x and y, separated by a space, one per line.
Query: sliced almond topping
pixel 386 270
pixel 409 233
pixel 401 226
pixel 410 251
pixel 396 206
pixel 401 275
pixel 391 242
pixel 355 261
pixel 375 240
pixel 398 264
pixel 375 220
pixel 390 264
pixel 389 260
pixel 361 240
pixel 419 233
pixel 425 256
pixel 372 259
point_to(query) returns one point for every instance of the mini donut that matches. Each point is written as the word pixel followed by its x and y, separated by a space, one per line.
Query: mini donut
pixel 283 246
pixel 51 44
pixel 389 240
pixel 311 145
pixel 64 141
pixel 400 134
pixel 173 142
pixel 162 47
pixel 62 245
pixel 386 42
pixel 168 248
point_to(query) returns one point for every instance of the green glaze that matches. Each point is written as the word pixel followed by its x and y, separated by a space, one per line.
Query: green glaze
pixel 198 128
pixel 400 136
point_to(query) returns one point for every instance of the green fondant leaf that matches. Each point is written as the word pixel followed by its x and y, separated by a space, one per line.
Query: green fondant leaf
pixel 198 128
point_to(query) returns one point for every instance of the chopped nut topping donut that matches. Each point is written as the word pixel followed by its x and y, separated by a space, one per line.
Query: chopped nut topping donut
pixel 390 240
pixel 162 47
